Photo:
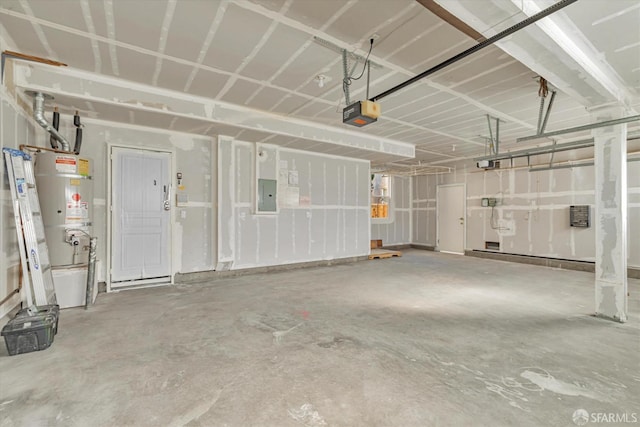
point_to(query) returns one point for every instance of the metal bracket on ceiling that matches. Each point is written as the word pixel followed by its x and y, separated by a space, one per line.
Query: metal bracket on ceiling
pixel 542 124
pixel 346 73
pixel 494 144
pixel 350 55
pixel 590 126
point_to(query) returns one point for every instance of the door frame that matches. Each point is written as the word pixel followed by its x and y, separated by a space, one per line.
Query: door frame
pixel 109 237
pixel 464 210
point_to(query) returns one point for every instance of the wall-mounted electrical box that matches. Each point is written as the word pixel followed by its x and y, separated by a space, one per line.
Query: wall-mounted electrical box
pixel 580 216
pixel 489 201
pixel 267 189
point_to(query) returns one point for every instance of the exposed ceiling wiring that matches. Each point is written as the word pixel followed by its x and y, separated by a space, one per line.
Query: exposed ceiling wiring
pixel 348 80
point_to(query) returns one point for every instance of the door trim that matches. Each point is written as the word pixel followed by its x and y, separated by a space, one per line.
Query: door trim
pixel 464 210
pixel 109 236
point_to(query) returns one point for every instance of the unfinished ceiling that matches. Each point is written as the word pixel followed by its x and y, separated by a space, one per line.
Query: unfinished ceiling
pixel 264 54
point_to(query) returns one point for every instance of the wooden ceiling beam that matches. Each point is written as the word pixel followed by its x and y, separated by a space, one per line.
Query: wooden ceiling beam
pixel 451 19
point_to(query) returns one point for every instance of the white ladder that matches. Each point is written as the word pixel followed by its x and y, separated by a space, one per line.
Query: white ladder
pixel 34 255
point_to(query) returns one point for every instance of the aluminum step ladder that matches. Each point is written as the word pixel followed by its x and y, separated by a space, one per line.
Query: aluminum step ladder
pixel 34 254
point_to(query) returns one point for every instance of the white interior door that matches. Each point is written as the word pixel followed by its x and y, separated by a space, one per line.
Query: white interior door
pixel 140 217
pixel 450 210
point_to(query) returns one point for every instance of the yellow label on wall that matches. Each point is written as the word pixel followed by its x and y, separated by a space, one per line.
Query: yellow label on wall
pixel 75 182
pixel 83 167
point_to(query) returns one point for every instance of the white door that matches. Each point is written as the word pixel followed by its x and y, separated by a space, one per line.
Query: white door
pixel 140 217
pixel 450 216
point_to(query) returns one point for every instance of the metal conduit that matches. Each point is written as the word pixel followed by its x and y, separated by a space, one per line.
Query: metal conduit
pixel 574 165
pixel 575 145
pixel 581 128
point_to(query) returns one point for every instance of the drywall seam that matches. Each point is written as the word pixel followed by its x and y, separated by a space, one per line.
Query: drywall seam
pixel 38 29
pixel 410 209
pixel 309 191
pixel 298 52
pixel 611 223
pixel 344 211
pixel 324 216
pixel 36 77
pixel 229 221
pixel 112 43
pixel 215 24
pixel 110 40
pixel 213 188
pixel 272 27
pixel 389 65
pixel 88 20
pixel 107 123
pixel 434 131
pixel 162 41
pixel 323 155
pixel 300 249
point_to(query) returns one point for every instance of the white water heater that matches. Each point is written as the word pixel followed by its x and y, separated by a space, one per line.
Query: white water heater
pixel 65 190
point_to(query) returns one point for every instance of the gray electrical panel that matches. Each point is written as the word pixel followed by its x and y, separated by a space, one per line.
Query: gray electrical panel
pixel 580 216
pixel 267 195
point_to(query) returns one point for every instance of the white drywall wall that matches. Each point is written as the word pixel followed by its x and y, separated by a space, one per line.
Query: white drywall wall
pixel 193 228
pixel 323 207
pixel 395 230
pixel 532 216
pixel 424 210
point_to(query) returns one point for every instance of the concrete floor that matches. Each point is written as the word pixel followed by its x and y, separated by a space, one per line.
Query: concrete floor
pixel 424 340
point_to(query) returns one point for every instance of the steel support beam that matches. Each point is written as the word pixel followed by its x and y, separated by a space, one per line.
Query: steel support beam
pixel 590 126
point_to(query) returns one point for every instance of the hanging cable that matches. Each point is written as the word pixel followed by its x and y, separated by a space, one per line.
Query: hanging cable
pixel 368 76
pixel 346 82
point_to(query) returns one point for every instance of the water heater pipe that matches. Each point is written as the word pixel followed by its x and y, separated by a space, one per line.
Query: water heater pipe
pixel 78 125
pixel 56 126
pixel 38 115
